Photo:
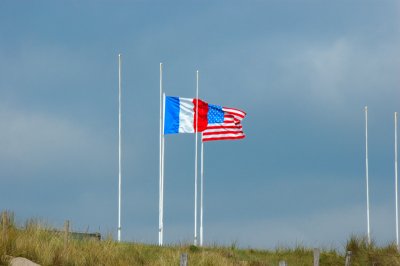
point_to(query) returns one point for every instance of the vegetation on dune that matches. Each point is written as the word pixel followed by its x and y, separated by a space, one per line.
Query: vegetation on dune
pixel 364 253
pixel 45 246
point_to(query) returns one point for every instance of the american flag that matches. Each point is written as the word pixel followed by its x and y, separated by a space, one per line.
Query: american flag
pixel 223 123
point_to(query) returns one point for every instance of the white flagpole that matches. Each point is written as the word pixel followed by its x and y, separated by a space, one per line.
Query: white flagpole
pixel 160 204
pixel 396 180
pixel 366 171
pixel 119 148
pixel 201 190
pixel 162 172
pixel 195 163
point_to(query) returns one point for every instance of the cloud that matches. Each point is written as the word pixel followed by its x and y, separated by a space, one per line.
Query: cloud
pixel 324 70
pixel 333 74
pixel 337 72
pixel 56 168
pixel 328 228
pixel 303 77
pixel 34 141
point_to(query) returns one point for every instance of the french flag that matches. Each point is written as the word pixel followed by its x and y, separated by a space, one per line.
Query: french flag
pixel 180 115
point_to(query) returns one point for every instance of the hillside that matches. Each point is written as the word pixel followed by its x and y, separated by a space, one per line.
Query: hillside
pixel 47 246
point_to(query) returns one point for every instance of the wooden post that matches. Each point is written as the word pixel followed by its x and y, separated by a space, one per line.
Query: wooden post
pixel 184 259
pixel 4 230
pixel 5 224
pixel 348 259
pixel 66 232
pixel 316 256
pixel 282 263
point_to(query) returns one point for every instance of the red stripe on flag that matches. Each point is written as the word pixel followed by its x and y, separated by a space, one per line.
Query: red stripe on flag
pixel 224 138
pixel 222 128
pixel 236 113
pixel 202 111
pixel 230 129
pixel 222 132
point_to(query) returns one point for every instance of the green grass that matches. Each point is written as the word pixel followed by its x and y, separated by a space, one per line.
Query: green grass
pixel 364 253
pixel 38 243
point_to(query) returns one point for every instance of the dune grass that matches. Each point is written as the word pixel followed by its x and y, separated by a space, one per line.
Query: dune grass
pixel 44 246
pixel 364 253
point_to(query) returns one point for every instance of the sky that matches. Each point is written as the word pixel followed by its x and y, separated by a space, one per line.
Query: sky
pixel 302 70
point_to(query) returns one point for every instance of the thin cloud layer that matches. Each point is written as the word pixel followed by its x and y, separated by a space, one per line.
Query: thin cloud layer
pixel 303 72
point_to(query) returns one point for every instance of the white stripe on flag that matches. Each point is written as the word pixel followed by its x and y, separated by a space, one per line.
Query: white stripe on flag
pixel 186 115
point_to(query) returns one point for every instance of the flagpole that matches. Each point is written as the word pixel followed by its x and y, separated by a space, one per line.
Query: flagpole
pixel 162 171
pixel 366 171
pixel 195 163
pixel 160 203
pixel 201 190
pixel 396 180
pixel 119 148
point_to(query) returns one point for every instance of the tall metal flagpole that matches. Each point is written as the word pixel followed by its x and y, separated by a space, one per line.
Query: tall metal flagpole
pixel 201 190
pixel 366 170
pixel 195 163
pixel 119 148
pixel 396 180
pixel 160 203
pixel 162 172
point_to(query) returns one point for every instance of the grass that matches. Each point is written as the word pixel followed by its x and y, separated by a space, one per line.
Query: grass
pixel 364 253
pixel 44 246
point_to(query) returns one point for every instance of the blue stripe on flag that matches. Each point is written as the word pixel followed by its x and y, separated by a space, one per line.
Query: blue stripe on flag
pixel 171 121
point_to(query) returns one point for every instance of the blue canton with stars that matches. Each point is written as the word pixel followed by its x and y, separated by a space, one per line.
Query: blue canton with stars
pixel 215 114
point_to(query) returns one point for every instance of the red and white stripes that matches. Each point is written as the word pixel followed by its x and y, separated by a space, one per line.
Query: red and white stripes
pixel 230 129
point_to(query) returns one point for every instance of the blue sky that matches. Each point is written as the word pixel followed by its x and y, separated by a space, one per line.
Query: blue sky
pixel 302 70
